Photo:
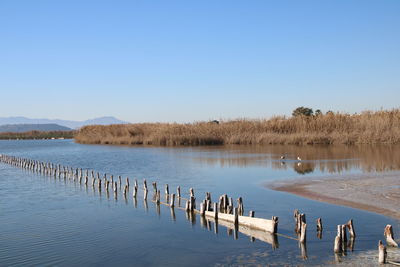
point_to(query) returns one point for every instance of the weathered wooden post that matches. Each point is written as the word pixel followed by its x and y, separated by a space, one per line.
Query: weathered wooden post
pixel 145 185
pixel 343 235
pixel 303 232
pixel 115 188
pixel 191 192
pixel 251 213
pixel 382 253
pixel 187 205
pixel 351 228
pixel 388 233
pixel 178 191
pixel 145 195
pixel 319 224
pixel 99 184
pixel 172 201
pixel 158 197
pixel 154 184
pixel 216 212
pixel 135 190
pixel 127 181
pixel 236 217
pixel 338 241
pixel 119 181
pixel 202 209
pixel 166 189
pixel 240 206
pixel 125 190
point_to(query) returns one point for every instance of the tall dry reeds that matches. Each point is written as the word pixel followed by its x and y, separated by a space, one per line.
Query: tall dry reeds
pixel 333 128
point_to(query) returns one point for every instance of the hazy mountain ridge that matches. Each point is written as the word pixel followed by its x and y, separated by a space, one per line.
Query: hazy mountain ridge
pixel 67 123
pixel 20 128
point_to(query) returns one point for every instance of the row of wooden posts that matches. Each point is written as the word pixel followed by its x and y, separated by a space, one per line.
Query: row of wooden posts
pixel 224 209
pixel 220 211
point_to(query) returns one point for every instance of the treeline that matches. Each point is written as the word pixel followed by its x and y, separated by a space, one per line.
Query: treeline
pixel 37 135
pixel 329 128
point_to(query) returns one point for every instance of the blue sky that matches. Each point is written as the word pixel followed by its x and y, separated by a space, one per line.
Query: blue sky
pixel 196 60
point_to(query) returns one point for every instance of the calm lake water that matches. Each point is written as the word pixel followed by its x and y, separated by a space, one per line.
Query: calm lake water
pixel 46 221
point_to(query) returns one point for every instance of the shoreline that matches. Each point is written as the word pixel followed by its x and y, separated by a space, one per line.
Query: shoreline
pixel 374 192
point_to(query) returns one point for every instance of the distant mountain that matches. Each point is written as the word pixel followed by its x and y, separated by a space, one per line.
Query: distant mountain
pixel 20 128
pixel 66 123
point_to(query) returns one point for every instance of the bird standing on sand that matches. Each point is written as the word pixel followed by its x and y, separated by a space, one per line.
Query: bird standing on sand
pixel 283 157
pixel 298 158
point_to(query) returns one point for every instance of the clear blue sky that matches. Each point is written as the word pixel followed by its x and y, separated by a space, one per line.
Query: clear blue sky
pixel 196 60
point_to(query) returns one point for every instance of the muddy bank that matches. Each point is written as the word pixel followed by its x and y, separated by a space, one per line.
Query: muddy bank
pixel 376 192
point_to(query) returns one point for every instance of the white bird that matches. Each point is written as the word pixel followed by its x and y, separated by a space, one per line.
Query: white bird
pixel 298 158
pixel 283 157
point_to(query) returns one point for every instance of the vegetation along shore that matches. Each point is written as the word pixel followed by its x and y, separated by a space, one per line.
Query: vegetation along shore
pixel 37 135
pixel 304 127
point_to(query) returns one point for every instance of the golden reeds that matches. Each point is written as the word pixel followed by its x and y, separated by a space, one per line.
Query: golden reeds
pixel 332 128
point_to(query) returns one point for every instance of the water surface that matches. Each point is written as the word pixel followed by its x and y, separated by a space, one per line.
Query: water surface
pixel 47 221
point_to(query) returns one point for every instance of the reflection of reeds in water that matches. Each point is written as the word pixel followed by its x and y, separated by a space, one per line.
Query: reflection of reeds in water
pixel 326 159
pixel 364 128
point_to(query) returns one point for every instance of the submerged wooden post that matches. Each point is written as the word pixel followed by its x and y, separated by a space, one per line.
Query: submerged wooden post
pixel 178 191
pixel 388 233
pixel 240 205
pixel 145 185
pixel 135 191
pixel 115 188
pixel 187 206
pixel 127 181
pixel 382 254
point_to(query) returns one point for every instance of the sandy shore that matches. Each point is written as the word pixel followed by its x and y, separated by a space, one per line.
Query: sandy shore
pixel 376 192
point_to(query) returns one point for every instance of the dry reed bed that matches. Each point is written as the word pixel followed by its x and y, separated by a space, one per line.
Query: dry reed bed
pixel 365 128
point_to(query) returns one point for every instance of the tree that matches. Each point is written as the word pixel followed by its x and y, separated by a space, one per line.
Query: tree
pixel 318 112
pixel 302 111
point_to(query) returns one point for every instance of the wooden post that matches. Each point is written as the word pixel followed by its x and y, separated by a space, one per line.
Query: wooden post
pixel 202 208
pixel 319 224
pixel 178 191
pixel 127 181
pixel 351 228
pixel 215 212
pixel 115 188
pixel 388 233
pixel 251 213
pixel 145 185
pixel 303 232
pixel 158 197
pixel 135 191
pixel 191 192
pixel 145 194
pixel 125 189
pixel 236 217
pixel 382 253
pixel 154 187
pixel 343 234
pixel 187 206
pixel 240 205
pixel 172 201
pixel 337 245
pixel 166 189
